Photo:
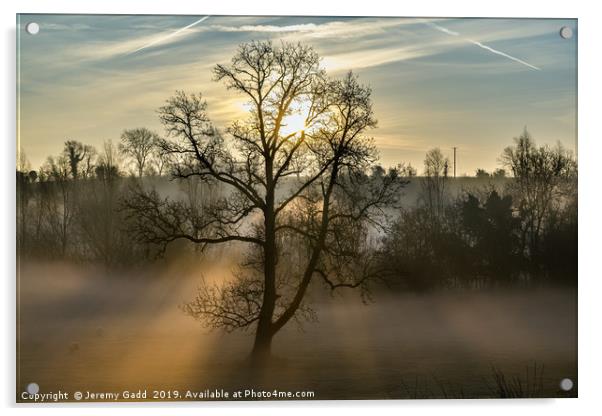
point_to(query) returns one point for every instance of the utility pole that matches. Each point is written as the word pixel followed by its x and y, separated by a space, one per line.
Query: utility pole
pixel 455 161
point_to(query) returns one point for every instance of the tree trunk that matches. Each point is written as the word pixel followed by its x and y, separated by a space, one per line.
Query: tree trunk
pixel 262 347
pixel 265 331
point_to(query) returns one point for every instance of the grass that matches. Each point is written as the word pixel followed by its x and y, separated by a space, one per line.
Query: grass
pixel 529 384
pixel 517 387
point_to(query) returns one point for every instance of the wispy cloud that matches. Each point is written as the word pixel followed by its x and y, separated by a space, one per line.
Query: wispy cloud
pixel 371 58
pixel 70 27
pixel 334 29
pixel 345 44
pixel 481 45
pixel 170 35
pixel 307 27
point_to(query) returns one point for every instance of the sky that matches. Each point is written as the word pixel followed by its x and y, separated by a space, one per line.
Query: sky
pixel 473 84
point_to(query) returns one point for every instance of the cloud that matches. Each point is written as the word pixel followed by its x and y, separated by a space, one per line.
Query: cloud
pixel 345 44
pixel 308 27
pixel 64 27
pixel 370 58
pixel 335 29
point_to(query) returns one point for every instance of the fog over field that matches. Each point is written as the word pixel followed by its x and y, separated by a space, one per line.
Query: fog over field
pixel 82 328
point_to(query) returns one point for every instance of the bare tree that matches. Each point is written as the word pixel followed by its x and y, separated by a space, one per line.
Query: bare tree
pixel 138 144
pixel 544 179
pixel 159 158
pixel 108 167
pixel 499 173
pixel 25 177
pixel 75 152
pixel 279 186
pixel 482 174
pixel 435 178
pixel 407 171
pixel 23 164
pixel 89 162
pixel 59 207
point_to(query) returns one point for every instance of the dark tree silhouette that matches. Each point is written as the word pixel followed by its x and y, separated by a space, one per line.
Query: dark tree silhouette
pixel 75 152
pixel 482 174
pixel 138 144
pixel 407 171
pixel 159 159
pixel 89 162
pixel 278 188
pixel 434 182
pixel 56 173
pixel 493 235
pixel 543 178
pixel 498 174
pixel 107 169
pixel 25 179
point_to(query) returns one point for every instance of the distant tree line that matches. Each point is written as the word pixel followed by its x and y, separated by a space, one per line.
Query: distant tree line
pixel 520 232
pixel 69 207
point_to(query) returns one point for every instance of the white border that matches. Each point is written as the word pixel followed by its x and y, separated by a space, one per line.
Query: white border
pixel 590 152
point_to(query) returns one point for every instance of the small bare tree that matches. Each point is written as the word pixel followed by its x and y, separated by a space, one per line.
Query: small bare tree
pixel 25 177
pixel 109 163
pixel 299 199
pixel 75 152
pixel 138 144
pixel 59 209
pixel 89 162
pixel 434 182
pixel 159 158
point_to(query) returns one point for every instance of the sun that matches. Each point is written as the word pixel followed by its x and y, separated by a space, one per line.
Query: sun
pixel 296 121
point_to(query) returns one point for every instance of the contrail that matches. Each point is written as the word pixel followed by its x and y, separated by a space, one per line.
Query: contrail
pixel 171 35
pixel 480 45
pixel 490 49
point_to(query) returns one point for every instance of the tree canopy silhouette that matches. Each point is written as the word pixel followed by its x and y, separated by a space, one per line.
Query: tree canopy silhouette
pixel 139 145
pixel 296 193
pixel 544 182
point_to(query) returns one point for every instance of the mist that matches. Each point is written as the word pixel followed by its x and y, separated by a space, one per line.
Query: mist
pixel 82 328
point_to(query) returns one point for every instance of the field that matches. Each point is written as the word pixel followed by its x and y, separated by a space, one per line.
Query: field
pixel 82 329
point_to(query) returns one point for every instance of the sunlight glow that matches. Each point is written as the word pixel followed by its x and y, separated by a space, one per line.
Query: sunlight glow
pixel 296 121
